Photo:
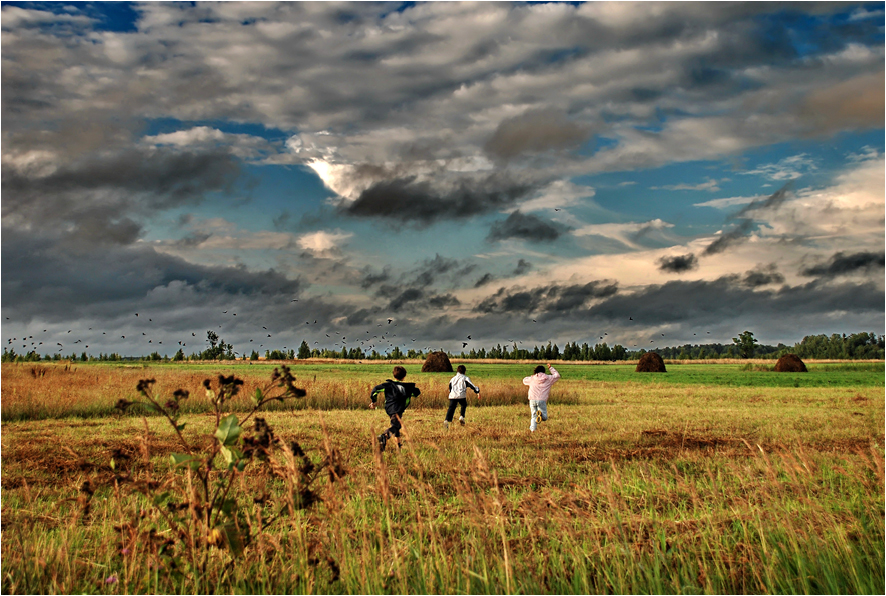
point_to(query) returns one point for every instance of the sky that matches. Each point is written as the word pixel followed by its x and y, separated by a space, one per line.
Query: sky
pixel 439 175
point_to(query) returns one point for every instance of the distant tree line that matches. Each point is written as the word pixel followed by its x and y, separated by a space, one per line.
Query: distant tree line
pixel 856 346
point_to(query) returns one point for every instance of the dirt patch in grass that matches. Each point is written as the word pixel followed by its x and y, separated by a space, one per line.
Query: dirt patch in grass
pixel 43 458
pixel 665 445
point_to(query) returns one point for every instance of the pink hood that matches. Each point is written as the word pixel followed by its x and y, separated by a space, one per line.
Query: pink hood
pixel 540 384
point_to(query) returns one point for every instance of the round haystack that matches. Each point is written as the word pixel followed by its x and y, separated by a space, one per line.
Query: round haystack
pixel 790 363
pixel 651 362
pixel 437 362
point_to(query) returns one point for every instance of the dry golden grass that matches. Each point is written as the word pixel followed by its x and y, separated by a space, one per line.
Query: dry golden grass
pixel 61 389
pixel 643 487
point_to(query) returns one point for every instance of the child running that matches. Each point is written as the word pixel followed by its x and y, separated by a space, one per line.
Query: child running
pixel 458 391
pixel 397 397
pixel 539 389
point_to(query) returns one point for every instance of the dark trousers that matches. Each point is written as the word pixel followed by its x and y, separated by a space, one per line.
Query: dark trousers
pixel 463 402
pixel 394 431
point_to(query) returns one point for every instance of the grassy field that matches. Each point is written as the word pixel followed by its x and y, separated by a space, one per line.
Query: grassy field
pixel 712 478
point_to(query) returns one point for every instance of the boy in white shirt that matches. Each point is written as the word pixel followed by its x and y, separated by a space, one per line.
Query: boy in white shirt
pixel 458 391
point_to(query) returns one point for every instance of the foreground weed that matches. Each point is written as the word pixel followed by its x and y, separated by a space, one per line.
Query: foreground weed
pixel 186 517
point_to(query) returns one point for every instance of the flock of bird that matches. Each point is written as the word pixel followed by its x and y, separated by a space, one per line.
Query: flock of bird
pixel 383 340
pixel 380 341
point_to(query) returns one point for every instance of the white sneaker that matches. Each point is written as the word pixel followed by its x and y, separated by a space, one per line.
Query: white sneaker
pixel 446 424
pixel 461 420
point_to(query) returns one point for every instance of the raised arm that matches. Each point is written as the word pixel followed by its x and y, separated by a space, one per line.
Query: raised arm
pixel 375 391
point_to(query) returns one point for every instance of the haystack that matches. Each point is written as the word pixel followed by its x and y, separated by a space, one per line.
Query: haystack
pixel 790 363
pixel 651 362
pixel 437 362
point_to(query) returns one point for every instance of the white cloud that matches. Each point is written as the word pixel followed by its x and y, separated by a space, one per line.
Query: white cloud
pixel 848 215
pixel 322 242
pixel 865 153
pixel 626 233
pixel 789 168
pixel 245 146
pixel 183 138
pixel 558 195
pixel 12 17
pixel 860 14
pixel 728 202
pixel 710 185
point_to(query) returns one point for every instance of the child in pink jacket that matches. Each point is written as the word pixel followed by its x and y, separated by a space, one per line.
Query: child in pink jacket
pixel 539 390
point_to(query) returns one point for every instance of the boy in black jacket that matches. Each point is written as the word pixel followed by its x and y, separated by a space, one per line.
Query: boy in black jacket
pixel 397 397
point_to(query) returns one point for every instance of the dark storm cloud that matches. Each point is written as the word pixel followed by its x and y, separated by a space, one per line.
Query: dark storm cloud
pixel 678 264
pixel 42 280
pixel 282 222
pixel 527 227
pixel 419 202
pixel 413 289
pixel 685 307
pixel 170 178
pixel 443 300
pixel 698 303
pixel 404 298
pixel 736 235
pixel 424 274
pixel 96 200
pixel 762 276
pixel 193 240
pixel 430 269
pixel 487 278
pixel 773 201
pixel 727 305
pixel 546 298
pixel 418 299
pixel 534 132
pixel 843 264
pixel 361 317
pixel 370 279
pixel 739 233
pixel 522 267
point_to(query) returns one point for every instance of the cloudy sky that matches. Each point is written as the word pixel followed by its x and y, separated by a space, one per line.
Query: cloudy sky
pixel 277 172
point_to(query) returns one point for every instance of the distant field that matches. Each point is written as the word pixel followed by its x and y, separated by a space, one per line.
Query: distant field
pixel 57 390
pixel 705 479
